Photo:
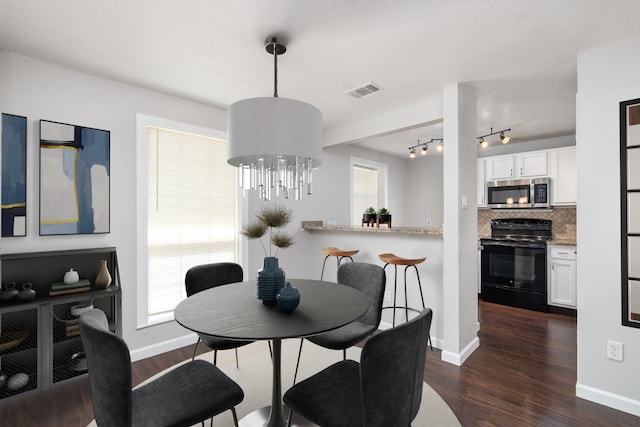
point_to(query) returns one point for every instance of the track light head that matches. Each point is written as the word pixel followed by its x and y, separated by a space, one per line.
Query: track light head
pixel 412 153
pixel 504 138
pixel 424 150
pixel 440 146
pixel 483 142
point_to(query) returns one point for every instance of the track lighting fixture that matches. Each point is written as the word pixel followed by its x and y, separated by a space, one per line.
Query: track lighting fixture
pixel 425 147
pixel 503 138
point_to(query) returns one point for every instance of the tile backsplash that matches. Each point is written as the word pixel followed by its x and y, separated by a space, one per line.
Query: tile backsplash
pixel 563 220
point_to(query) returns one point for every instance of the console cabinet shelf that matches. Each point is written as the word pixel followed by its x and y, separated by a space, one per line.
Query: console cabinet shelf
pixel 40 339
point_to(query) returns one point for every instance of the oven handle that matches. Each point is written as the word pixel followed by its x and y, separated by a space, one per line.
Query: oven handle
pixel 516 245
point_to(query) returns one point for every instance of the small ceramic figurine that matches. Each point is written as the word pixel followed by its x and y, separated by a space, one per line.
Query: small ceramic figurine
pixel 70 277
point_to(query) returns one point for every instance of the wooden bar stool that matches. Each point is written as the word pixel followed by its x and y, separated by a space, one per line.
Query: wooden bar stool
pixel 339 254
pixel 407 262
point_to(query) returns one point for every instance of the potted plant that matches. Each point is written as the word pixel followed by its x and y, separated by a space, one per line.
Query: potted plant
pixel 369 216
pixel 271 277
pixel 383 217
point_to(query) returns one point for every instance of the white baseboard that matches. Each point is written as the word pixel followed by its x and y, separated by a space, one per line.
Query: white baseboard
pixel 163 347
pixel 459 358
pixel 609 399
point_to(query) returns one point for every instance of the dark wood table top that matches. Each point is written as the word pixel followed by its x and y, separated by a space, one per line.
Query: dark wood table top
pixel 234 312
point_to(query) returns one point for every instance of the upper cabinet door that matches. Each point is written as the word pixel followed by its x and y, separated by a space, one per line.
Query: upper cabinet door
pixel 499 168
pixel 564 183
pixel 532 164
pixel 482 185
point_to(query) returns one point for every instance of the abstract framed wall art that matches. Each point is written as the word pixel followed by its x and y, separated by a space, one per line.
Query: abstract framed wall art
pixel 74 179
pixel 630 210
pixel 14 175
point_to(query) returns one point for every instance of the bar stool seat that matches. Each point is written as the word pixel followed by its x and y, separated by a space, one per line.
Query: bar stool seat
pixel 395 260
pixel 339 254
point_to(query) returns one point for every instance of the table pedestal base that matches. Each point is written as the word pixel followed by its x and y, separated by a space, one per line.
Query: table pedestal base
pixel 259 417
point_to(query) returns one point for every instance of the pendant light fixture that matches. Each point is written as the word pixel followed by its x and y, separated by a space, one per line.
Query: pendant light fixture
pixel 274 142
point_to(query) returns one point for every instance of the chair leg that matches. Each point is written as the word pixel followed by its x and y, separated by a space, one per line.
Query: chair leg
pixel 215 357
pixel 325 261
pixel 195 349
pixel 423 304
pixel 344 354
pixel 235 416
pixel 237 365
pixel 290 418
pixel 406 297
pixel 270 351
pixel 295 375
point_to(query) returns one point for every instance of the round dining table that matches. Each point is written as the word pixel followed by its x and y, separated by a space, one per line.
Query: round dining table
pixel 234 312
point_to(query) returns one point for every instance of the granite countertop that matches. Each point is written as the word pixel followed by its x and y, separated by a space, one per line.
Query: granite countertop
pixel 318 226
pixel 562 242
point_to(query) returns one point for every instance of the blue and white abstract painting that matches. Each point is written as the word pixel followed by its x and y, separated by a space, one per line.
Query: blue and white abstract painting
pixel 74 179
pixel 14 175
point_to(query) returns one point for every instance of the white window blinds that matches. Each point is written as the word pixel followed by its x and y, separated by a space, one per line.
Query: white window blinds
pixel 191 212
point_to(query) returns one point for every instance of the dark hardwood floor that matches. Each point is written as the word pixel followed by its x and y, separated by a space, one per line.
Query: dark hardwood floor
pixel 523 374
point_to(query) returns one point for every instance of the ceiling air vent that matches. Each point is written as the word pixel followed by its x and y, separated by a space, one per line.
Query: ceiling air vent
pixel 363 90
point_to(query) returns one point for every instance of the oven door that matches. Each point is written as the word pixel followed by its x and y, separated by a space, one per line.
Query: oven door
pixel 515 266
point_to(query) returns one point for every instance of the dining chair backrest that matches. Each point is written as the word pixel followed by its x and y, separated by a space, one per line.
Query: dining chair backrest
pixel 109 366
pixel 392 372
pixel 208 276
pixel 369 279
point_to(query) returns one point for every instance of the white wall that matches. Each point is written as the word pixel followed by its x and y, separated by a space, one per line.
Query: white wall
pixel 425 191
pixel 606 76
pixel 39 90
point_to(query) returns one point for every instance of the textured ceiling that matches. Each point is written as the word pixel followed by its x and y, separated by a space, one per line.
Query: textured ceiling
pixel 518 56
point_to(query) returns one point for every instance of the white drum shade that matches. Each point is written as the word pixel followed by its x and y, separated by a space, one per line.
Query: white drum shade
pixel 272 129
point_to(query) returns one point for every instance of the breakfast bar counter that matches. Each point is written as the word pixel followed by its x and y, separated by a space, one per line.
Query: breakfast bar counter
pixel 319 226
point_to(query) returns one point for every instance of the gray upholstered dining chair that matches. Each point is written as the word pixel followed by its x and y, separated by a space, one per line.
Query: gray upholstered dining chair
pixel 185 395
pixel 207 276
pixel 369 279
pixel 384 389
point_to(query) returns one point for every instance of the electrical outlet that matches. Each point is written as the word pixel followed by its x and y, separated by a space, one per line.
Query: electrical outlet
pixel 615 350
pixel 428 221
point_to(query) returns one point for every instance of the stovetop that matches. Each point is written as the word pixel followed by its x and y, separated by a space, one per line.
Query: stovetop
pixel 519 231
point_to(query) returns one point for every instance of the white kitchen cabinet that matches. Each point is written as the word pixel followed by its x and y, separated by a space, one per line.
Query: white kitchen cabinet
pixel 564 179
pixel 532 164
pixel 561 272
pixel 482 186
pixel 500 167
pixel 524 165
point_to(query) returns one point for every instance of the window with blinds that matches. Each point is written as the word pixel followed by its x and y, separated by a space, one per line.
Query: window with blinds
pixel 368 187
pixel 191 213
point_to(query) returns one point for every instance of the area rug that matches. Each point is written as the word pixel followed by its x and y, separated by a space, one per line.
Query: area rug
pixel 254 376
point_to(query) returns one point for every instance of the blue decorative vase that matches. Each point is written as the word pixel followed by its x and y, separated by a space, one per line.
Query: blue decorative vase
pixel 288 298
pixel 270 281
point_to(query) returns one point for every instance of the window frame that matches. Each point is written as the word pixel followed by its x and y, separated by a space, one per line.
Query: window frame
pixel 370 164
pixel 142 122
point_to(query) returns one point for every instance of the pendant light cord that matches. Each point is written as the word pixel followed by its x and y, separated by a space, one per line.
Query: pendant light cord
pixel 275 69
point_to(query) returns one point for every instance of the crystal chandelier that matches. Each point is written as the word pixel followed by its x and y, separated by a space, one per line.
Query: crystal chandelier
pixel 274 142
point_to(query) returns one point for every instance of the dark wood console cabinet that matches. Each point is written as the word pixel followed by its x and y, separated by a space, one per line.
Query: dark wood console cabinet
pixel 40 337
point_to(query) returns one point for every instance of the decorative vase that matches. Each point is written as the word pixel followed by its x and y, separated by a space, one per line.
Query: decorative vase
pixel 270 281
pixel 27 294
pixel 103 280
pixel 288 298
pixel 70 277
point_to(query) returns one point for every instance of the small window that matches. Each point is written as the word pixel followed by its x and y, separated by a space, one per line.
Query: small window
pixel 368 187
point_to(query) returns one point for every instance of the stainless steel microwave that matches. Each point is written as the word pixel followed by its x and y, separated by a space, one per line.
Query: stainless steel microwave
pixel 519 193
